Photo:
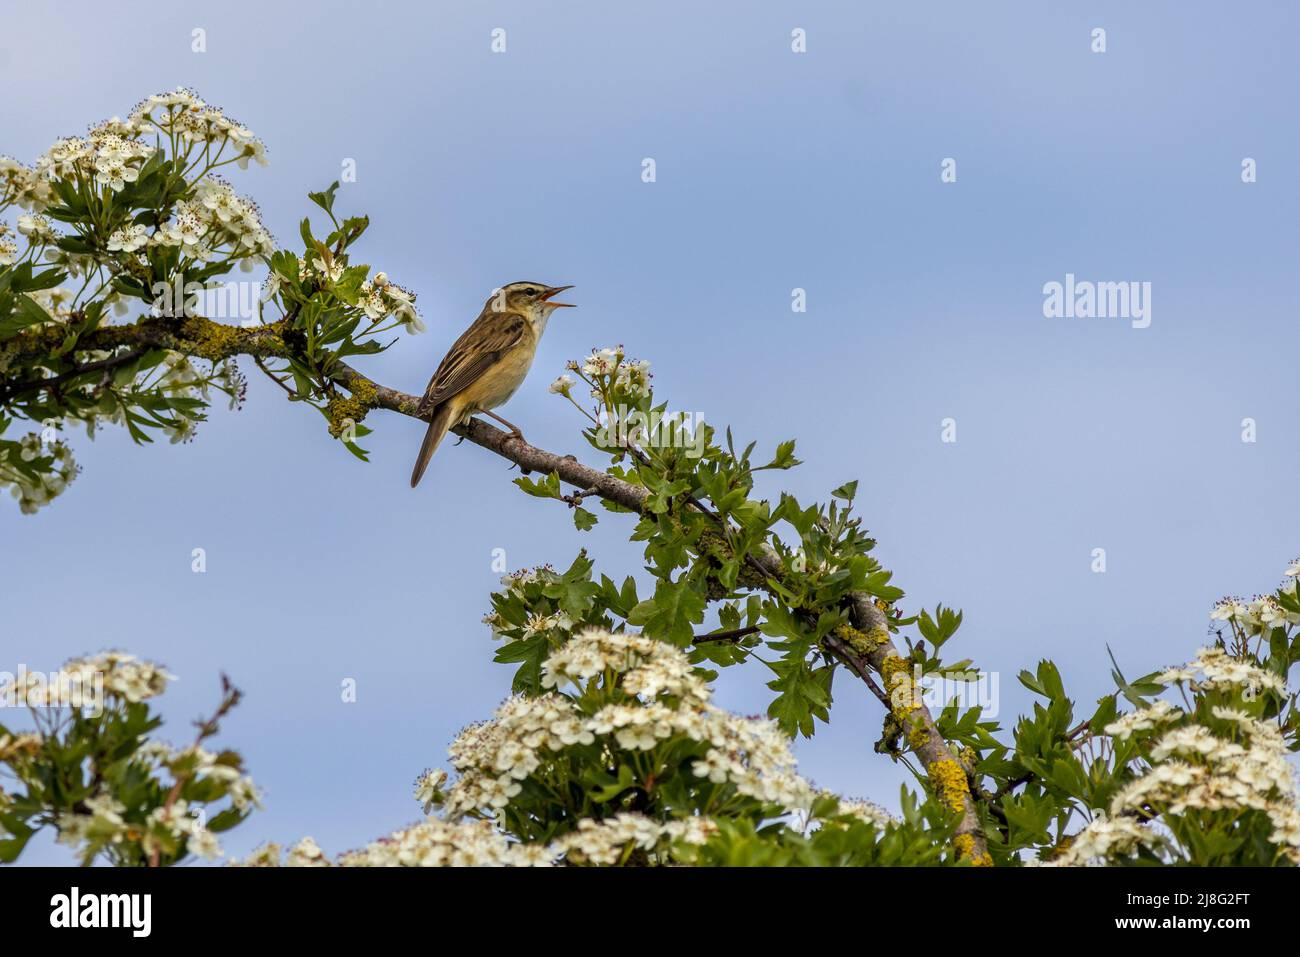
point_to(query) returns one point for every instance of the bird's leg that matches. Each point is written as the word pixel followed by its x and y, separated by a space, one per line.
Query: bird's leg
pixel 514 429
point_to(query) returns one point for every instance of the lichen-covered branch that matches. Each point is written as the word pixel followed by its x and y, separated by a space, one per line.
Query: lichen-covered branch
pixel 868 648
pixel 864 647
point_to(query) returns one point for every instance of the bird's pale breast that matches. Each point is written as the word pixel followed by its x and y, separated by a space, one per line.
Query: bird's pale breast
pixel 498 384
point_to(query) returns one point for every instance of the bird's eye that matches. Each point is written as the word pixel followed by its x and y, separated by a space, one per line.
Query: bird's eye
pixel 530 291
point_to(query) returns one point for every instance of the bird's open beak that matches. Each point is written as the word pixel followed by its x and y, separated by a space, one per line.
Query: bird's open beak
pixel 555 291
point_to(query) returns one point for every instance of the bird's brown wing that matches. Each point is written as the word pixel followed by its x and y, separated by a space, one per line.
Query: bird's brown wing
pixel 491 336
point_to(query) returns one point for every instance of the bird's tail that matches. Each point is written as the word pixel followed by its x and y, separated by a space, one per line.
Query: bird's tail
pixel 438 427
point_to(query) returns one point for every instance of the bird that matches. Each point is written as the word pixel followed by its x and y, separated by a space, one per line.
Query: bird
pixel 485 366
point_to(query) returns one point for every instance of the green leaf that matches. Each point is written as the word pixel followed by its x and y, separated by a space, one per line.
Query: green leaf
pixel 1106 713
pixel 1139 690
pixel 641 612
pixel 877 584
pixel 528 653
pixel 804 694
pixel 784 458
pixel 939 628
pixel 325 199
pixel 547 487
pixel 27 313
pixel 678 607
pixel 357 450
pixel 47 279
pixel 574 592
pixel 226 819
pixel 583 520
pixel 19 834
pixel 609 787
pixel 846 491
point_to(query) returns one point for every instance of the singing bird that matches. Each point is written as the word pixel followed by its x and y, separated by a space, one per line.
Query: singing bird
pixel 487 363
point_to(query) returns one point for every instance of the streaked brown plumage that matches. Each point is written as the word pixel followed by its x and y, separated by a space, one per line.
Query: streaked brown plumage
pixel 485 366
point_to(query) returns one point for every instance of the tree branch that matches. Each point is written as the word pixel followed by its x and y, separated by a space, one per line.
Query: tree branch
pixel 257 361
pixel 877 652
pixel 9 390
pixel 867 646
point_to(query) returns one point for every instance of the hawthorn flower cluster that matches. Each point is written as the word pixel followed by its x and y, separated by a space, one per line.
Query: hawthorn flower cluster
pixel 183 116
pixel 35 488
pixel 103 824
pixel 664 700
pixel 111 155
pixel 1144 719
pixel 1214 669
pixel 17 747
pixel 515 585
pixel 36 228
pixel 1260 614
pixel 381 298
pixel 201 764
pixel 1211 780
pixel 306 853
pixel 517 581
pixel 650 668
pixel 611 376
pixel 1107 838
pixel 478 843
pixel 176 376
pixel 211 224
pixel 1237 766
pixel 121 675
pixel 8 248
pixel 601 362
pixel 143 215
pixel 21 185
pixel 630 696
pixel 431 843
pixel 143 800
pixel 622 415
pixel 606 841
pixel 633 378
pixel 495 756
pixel 867 811
pixel 215 224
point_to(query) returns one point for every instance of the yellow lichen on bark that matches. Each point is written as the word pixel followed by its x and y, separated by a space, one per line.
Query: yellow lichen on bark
pixel 949 782
pixel 353 409
pixel 210 340
pixel 861 642
pixel 899 686
pixel 965 844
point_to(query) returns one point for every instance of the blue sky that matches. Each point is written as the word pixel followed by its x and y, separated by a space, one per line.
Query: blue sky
pixel 775 170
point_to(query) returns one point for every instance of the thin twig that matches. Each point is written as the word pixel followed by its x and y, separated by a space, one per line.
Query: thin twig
pixel 257 361
pixel 731 635
pixel 9 390
pixel 230 696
